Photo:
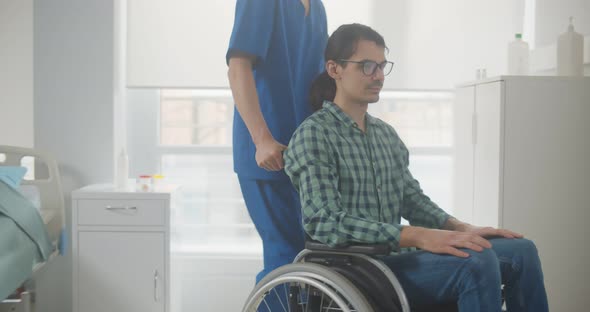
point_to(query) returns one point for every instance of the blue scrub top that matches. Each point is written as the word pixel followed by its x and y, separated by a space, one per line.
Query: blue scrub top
pixel 289 49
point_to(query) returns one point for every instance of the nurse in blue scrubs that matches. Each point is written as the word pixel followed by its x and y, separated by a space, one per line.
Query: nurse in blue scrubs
pixel 275 51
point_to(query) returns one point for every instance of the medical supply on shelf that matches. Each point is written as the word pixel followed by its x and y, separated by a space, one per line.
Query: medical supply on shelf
pixel 144 183
pixel 570 52
pixel 122 174
pixel 480 73
pixel 518 56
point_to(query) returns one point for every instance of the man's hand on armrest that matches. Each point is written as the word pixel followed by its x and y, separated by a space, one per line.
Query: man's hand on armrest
pixel 456 225
pixel 442 241
pixel 454 235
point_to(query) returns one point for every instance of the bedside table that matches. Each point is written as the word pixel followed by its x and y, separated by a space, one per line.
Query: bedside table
pixel 121 249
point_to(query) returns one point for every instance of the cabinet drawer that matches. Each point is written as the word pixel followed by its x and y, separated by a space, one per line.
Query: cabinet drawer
pixel 121 212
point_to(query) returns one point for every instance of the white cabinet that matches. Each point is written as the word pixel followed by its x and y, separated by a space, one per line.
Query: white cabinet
pixel 522 162
pixel 120 245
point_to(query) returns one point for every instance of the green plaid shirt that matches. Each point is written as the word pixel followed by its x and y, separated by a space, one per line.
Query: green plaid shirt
pixel 355 186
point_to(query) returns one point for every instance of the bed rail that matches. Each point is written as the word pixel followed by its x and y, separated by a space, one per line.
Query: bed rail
pixel 52 201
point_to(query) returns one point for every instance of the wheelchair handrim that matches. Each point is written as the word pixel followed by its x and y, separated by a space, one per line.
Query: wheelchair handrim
pixel 291 278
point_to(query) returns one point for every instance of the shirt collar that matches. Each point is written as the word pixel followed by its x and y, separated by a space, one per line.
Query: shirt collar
pixel 343 117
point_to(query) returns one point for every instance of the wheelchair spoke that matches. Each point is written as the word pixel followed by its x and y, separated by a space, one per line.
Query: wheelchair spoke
pixel 266 304
pixel 330 306
pixel 301 303
pixel 287 294
pixel 306 288
pixel 308 298
pixel 280 301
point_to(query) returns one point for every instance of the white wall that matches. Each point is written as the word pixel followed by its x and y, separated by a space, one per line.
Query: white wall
pixel 74 110
pixel 437 44
pixel 341 12
pixel 178 43
pixel 182 43
pixel 16 72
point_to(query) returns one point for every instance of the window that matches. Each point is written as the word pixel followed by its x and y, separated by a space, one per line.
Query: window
pixel 193 148
pixel 196 117
pixel 195 135
pixel 423 119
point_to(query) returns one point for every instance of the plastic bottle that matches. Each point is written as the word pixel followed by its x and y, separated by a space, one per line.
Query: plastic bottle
pixel 518 56
pixel 122 174
pixel 570 52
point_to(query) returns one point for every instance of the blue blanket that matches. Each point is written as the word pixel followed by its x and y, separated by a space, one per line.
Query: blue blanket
pixel 24 241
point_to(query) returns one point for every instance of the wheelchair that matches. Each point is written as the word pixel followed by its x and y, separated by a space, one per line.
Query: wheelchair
pixel 326 279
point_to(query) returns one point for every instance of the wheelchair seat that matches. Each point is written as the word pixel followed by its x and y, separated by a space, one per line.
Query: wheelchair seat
pixel 357 264
pixel 368 276
pixel 327 279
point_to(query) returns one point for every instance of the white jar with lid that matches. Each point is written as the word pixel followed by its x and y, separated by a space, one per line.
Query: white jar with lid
pixel 144 183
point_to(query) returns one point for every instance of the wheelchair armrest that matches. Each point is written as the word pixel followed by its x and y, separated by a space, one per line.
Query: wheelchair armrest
pixel 366 249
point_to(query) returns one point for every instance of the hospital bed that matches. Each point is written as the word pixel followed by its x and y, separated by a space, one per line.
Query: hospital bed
pixel 32 222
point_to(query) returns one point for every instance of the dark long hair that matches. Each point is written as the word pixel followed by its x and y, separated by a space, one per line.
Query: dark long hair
pixel 341 45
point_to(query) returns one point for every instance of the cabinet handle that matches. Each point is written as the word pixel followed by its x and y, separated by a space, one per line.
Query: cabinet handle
pixel 127 208
pixel 474 129
pixel 156 285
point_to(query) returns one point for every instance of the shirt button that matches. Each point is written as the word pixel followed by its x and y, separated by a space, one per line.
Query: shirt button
pixel 355 125
pixel 378 189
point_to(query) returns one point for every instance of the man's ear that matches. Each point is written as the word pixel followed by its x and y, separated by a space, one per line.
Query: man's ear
pixel 333 69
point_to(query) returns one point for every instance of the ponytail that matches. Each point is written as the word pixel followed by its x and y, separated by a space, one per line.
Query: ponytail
pixel 322 89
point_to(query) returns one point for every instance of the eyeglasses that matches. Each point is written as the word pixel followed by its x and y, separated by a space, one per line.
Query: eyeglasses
pixel 370 67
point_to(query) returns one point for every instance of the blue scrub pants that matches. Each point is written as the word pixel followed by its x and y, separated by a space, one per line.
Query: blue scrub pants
pixel 474 282
pixel 276 212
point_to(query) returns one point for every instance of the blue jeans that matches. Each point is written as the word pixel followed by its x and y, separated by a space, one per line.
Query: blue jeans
pixel 475 282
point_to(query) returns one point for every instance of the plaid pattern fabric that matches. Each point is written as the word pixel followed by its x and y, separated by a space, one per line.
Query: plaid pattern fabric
pixel 354 186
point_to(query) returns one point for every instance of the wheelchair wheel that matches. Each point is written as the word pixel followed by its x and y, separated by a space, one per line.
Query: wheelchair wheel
pixel 306 287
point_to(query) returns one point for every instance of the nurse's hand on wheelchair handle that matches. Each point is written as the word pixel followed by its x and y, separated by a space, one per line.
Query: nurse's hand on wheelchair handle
pixel 269 155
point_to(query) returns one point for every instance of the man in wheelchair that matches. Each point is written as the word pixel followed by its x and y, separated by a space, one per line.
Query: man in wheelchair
pixel 351 171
